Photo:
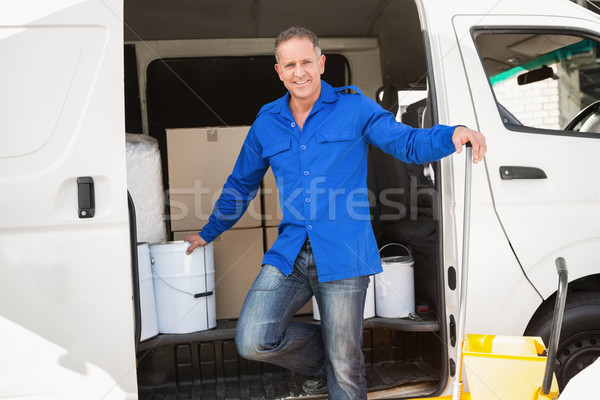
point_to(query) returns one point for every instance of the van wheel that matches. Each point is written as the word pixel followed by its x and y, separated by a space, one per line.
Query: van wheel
pixel 579 343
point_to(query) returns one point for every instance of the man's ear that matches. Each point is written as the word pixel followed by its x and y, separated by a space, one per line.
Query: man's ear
pixel 278 69
pixel 322 63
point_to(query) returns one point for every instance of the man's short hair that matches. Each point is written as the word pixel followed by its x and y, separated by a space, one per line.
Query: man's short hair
pixel 300 33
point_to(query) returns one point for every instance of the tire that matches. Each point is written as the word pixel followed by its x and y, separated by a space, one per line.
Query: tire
pixel 579 343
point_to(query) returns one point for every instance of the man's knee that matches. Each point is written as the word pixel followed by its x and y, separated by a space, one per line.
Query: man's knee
pixel 251 348
pixel 246 348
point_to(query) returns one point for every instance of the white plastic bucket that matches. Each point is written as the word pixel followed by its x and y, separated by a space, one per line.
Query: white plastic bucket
pixel 394 287
pixel 147 302
pixel 369 311
pixel 184 287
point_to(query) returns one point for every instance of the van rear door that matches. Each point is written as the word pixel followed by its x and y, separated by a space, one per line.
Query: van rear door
pixel 66 318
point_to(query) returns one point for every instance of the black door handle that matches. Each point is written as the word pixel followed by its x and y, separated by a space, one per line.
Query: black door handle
pixel 86 197
pixel 514 172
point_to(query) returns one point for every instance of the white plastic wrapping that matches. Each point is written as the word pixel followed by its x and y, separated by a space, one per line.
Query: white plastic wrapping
pixel 144 182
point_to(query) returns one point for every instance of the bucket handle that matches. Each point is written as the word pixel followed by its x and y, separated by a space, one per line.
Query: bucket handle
pixel 396 244
pixel 196 295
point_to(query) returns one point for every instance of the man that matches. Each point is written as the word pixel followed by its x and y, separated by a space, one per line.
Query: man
pixel 315 139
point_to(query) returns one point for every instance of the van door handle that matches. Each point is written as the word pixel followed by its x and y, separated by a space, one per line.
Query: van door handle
pixel 86 197
pixel 514 172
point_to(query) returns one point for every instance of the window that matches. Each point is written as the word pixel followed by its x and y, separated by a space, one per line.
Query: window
pixel 217 91
pixel 196 92
pixel 543 80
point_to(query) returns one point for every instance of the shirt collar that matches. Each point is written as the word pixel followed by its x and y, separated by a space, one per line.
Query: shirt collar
pixel 327 95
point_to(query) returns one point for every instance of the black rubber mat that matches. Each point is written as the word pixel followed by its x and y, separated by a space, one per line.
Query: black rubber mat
pixel 189 368
pixel 285 384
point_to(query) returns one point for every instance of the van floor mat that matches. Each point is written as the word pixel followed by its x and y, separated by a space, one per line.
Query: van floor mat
pixel 284 384
pixel 209 367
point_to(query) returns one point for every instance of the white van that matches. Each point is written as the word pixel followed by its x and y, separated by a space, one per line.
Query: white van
pixel 525 73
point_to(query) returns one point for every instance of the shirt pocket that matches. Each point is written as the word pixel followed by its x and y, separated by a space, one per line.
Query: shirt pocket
pixel 338 149
pixel 279 155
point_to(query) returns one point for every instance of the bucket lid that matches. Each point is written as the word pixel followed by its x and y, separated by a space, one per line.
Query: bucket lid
pixel 175 244
pixel 171 243
pixel 397 260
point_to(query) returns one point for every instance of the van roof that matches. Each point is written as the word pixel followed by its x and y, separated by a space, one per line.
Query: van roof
pixel 394 23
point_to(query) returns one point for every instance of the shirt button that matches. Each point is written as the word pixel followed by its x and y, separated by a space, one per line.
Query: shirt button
pixel 303 147
pixel 308 199
pixel 309 227
pixel 305 172
pixel 293 124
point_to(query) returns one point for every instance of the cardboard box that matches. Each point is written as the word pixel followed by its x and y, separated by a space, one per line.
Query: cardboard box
pixel 271 234
pixel 238 256
pixel 199 161
pixel 270 199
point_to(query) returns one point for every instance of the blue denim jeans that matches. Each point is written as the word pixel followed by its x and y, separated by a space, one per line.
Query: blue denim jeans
pixel 333 349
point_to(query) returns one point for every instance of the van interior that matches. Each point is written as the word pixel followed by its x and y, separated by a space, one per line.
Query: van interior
pixel 210 64
pixel 222 78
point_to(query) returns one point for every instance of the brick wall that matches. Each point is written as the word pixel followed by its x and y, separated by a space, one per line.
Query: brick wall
pixel 536 104
pixel 548 104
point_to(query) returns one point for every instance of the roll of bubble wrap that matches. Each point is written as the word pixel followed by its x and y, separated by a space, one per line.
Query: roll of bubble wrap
pixel 144 182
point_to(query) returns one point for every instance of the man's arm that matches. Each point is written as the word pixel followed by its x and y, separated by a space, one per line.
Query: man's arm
pixel 416 145
pixel 238 191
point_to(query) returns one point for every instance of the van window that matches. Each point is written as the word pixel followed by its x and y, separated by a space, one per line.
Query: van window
pixel 541 80
pixel 218 91
pixel 402 102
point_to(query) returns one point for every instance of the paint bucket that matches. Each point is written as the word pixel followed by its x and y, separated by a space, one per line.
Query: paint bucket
pixel 147 302
pixel 369 310
pixel 394 287
pixel 184 287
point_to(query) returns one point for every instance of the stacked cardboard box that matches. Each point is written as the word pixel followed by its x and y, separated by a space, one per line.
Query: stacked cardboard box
pixel 199 162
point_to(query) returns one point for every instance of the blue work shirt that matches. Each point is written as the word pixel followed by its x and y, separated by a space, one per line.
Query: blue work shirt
pixel 321 175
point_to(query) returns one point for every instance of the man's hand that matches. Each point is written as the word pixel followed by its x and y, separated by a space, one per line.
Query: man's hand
pixel 462 135
pixel 195 241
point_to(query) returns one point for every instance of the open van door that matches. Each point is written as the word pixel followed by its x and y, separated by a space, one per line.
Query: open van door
pixel 66 315
pixel 527 77
pixel 530 77
pixel 535 88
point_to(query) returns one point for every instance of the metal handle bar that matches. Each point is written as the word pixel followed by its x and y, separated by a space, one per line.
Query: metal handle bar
pixel 557 317
pixel 464 272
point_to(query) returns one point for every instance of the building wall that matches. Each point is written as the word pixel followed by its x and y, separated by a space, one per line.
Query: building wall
pixel 547 104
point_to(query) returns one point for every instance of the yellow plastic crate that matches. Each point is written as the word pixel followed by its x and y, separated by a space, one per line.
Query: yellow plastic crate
pixel 506 367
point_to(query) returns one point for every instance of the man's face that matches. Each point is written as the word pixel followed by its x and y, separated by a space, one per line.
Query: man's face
pixel 300 69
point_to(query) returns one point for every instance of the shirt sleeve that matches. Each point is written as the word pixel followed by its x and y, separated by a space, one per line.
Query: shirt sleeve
pixel 239 189
pixel 411 145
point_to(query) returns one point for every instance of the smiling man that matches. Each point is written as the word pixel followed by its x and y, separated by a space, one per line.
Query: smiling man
pixel 300 65
pixel 316 139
